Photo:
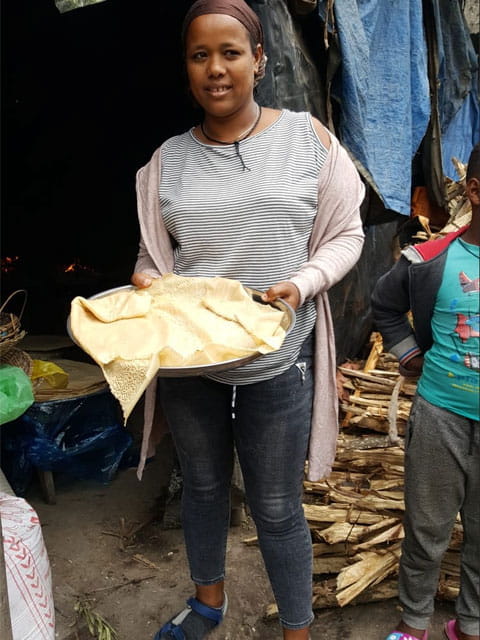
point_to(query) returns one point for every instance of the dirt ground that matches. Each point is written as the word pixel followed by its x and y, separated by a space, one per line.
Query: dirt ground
pixel 117 548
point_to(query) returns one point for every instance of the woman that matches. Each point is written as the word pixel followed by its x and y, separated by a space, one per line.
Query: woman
pixel 267 197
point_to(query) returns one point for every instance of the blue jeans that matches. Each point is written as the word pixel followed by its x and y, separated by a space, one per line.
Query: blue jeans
pixel 269 425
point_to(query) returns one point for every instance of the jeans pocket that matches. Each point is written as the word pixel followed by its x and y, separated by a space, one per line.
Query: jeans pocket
pixel 302 367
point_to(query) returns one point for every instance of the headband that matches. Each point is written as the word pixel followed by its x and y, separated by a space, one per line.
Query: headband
pixel 235 8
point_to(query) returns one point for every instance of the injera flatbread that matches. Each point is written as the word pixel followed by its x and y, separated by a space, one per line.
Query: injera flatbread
pixel 176 322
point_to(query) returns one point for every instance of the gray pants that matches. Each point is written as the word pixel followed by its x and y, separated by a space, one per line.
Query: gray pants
pixel 442 479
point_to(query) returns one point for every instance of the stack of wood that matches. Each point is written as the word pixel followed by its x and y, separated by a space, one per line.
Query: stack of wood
pixel 375 396
pixel 355 516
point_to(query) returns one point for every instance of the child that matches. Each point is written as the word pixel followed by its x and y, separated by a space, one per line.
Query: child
pixel 439 282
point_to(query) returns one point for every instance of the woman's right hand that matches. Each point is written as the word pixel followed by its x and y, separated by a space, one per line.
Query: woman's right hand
pixel 141 280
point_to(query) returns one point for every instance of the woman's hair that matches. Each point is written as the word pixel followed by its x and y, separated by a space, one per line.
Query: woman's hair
pixel 238 9
pixel 473 169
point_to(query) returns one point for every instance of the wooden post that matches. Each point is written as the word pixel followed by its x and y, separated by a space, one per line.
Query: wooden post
pixel 5 623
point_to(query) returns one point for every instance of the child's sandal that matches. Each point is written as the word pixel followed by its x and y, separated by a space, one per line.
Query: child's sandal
pixel 173 630
pixel 450 630
pixel 399 635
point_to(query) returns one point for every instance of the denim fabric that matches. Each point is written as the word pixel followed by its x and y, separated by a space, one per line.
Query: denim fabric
pixel 382 90
pixel 269 425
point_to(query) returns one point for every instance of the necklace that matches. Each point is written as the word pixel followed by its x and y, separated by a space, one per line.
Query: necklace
pixel 237 140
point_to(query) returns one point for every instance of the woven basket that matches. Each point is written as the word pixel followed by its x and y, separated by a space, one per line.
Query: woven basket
pixel 18 358
pixel 10 328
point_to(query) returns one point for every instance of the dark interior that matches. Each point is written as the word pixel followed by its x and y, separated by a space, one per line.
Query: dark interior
pixel 87 97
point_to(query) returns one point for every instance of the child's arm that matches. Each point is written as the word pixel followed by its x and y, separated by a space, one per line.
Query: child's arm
pixel 390 307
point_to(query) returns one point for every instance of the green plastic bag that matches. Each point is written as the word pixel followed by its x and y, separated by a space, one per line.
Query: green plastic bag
pixel 16 392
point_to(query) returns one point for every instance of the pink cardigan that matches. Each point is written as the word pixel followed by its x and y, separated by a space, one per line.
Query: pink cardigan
pixel 335 246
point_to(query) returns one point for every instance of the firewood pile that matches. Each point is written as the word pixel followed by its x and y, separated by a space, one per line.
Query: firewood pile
pixel 355 515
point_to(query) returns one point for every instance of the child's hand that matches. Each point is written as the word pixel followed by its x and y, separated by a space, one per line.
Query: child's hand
pixel 413 367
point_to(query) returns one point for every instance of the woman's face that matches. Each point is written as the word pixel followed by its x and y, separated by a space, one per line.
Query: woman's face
pixel 220 64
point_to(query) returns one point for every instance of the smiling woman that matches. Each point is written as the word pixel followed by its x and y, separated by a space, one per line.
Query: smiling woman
pixel 221 70
pixel 266 197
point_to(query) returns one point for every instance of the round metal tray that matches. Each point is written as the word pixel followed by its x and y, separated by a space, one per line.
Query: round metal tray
pixel 288 322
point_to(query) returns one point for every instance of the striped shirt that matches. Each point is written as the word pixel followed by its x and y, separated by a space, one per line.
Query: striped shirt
pixel 250 225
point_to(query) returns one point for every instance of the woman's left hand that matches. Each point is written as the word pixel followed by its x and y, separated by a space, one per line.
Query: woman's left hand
pixel 286 291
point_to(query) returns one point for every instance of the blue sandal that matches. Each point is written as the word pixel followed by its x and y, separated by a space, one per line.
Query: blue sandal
pixel 173 630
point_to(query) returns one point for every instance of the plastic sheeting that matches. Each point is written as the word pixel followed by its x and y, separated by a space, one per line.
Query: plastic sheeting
pixel 457 81
pixel 291 76
pixel 82 436
pixel 383 91
pixel 350 298
pixel 462 133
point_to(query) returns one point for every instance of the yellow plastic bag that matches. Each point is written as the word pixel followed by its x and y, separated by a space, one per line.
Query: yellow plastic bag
pixel 54 375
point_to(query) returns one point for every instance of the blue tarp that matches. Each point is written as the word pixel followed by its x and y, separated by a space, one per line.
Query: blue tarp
pixel 461 134
pixel 457 79
pixel 383 90
pixel 81 436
